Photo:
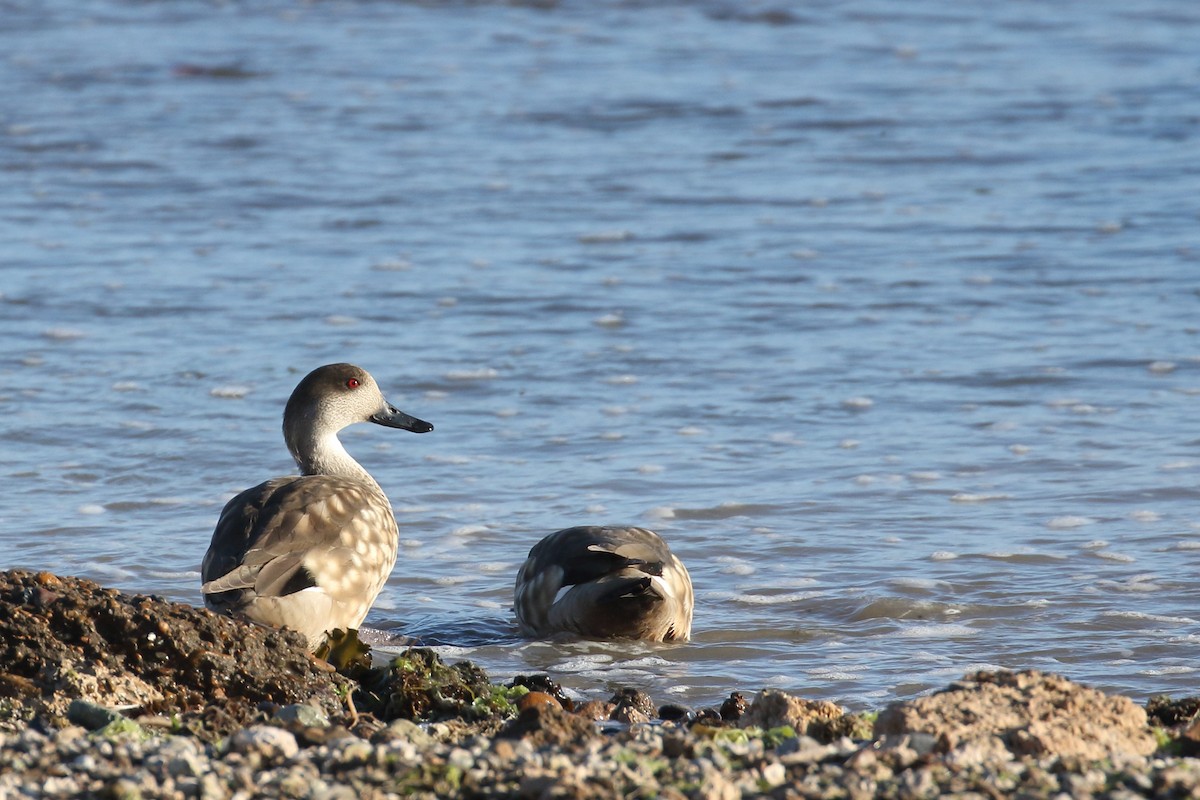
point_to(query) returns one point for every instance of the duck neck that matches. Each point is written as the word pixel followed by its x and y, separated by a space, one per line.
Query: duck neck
pixel 325 455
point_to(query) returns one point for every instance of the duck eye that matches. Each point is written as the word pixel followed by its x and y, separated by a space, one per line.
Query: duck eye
pixel 353 383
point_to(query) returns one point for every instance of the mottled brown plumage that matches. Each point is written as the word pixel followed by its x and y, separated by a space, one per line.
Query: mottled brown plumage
pixel 311 551
pixel 604 583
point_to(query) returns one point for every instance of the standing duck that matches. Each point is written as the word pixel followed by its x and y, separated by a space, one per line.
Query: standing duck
pixel 604 583
pixel 310 552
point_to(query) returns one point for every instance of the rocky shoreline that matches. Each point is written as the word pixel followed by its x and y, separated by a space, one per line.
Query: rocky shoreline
pixel 104 694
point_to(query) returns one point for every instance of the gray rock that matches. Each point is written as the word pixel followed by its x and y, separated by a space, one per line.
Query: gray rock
pixel 303 714
pixel 265 740
pixel 91 715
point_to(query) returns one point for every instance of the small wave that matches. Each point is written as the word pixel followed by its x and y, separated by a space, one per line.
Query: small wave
pixel 966 497
pixel 231 392
pixel 754 599
pixel 63 334
pixel 1067 522
pixel 583 663
pixel 1178 669
pixel 1145 616
pixel 935 631
pixel 725 510
pixel 1121 557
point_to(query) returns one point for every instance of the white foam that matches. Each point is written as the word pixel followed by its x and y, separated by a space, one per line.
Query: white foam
pixel 583 662
pixel 1018 449
pixel 1186 463
pixel 609 321
pixel 1147 617
pixel 650 469
pixel 661 512
pixel 1069 521
pixel 1162 367
pixel 967 497
pixel 858 403
pixel 63 334
pixel 691 430
pixel 849 444
pixel 938 631
pixel 621 380
pixel 231 392
pixel 942 555
pixel 1121 557
pixel 1179 669
pixel 92 509
pixel 1145 515
pixel 925 477
pixel 340 320
pixel 774 599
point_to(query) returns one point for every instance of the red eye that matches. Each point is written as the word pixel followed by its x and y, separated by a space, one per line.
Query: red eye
pixel 353 383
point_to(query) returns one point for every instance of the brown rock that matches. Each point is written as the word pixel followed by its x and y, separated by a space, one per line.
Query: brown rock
pixel 734 706
pixel 536 699
pixel 995 715
pixel 544 724
pixel 772 709
pixel 594 710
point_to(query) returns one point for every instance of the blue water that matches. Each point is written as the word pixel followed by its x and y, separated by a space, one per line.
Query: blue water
pixel 885 315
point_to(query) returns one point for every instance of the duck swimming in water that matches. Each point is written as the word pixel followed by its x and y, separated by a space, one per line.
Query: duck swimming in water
pixel 310 552
pixel 604 583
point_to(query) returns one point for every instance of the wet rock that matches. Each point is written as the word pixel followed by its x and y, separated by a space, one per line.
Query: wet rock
pixel 544 684
pixel 1162 710
pixel 631 705
pixel 992 716
pixel 734 707
pixel 672 712
pixel 774 709
pixel 536 699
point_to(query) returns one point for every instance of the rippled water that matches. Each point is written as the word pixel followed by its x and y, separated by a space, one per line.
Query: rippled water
pixel 885 315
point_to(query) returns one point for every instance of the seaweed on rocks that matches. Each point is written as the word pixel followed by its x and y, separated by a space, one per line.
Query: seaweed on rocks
pixel 67 638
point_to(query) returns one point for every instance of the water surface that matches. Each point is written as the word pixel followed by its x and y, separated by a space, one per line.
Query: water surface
pixel 884 315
